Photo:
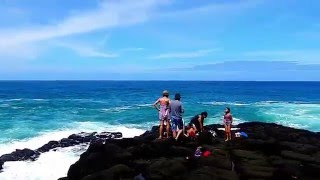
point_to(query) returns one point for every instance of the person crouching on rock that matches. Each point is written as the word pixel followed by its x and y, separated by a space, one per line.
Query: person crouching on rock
pixel 163 112
pixel 227 119
pixel 196 122
pixel 176 110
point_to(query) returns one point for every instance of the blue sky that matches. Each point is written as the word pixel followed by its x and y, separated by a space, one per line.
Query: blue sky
pixel 160 40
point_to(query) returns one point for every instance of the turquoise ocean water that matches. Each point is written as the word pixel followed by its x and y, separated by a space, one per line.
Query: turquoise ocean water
pixel 34 112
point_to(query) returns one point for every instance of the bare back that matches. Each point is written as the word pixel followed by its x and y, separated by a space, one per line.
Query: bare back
pixel 164 101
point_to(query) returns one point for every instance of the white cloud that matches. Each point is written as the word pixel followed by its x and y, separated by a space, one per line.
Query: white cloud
pixel 20 51
pixel 301 56
pixel 214 8
pixel 109 14
pixel 132 49
pixel 87 51
pixel 189 54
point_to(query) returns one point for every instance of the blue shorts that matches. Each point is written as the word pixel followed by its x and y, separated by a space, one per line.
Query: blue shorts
pixel 176 124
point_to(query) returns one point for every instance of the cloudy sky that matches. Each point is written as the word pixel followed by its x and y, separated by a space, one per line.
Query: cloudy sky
pixel 160 40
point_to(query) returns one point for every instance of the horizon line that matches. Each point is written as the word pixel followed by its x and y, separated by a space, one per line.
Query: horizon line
pixel 37 80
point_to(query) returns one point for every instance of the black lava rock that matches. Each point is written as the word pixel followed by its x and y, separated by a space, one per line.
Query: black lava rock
pixel 72 140
pixel 1 164
pixel 271 151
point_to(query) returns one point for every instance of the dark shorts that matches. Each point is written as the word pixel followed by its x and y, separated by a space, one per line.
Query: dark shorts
pixel 176 124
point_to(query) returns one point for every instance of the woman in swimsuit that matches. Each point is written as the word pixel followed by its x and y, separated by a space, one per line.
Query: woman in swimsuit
pixel 163 112
pixel 227 123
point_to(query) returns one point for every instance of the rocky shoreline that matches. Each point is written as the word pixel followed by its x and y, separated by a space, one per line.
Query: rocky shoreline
pixel 269 152
pixel 72 140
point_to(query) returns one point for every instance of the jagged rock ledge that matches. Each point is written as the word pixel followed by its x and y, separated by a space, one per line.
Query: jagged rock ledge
pixel 72 140
pixel 270 152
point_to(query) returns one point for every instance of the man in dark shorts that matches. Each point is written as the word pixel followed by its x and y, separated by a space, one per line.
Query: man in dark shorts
pixel 176 111
pixel 197 121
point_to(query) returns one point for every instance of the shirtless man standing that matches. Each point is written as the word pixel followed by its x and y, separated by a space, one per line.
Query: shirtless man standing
pixel 162 105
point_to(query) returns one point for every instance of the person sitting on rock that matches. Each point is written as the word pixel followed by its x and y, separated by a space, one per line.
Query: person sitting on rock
pixel 227 119
pixel 196 123
pixel 190 132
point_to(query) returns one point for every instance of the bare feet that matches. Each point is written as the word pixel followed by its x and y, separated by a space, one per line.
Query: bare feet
pixel 160 137
pixel 226 140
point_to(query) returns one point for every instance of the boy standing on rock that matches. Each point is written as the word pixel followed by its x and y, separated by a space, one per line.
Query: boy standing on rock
pixel 176 110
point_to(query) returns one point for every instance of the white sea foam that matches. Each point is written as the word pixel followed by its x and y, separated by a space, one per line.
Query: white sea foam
pixel 117 109
pixel 237 121
pixel 262 103
pixel 145 105
pixel 293 114
pixel 297 114
pixel 8 100
pixel 218 103
pixel 124 108
pixel 50 165
pixel 217 119
pixel 54 164
pixel 39 99
pixel 17 107
pixel 5 105
pixel 285 103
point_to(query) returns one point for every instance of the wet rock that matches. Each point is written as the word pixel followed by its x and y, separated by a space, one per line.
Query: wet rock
pixel 208 173
pixel 1 164
pixel 104 135
pixel 143 151
pixel 8 157
pixel 205 138
pixel 217 161
pixel 63 178
pixel 101 156
pixel 119 171
pixel 117 135
pixel 20 155
pixel 298 156
pixel 167 169
pixel 65 142
pixel 47 147
pixel 298 147
pixel 72 140
pixel 270 152
pixel 125 142
pixel 178 151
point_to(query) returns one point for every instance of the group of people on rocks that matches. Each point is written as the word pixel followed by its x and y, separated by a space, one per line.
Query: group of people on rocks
pixel 170 115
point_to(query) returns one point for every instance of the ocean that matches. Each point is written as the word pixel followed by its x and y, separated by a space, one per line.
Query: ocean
pixel 35 112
